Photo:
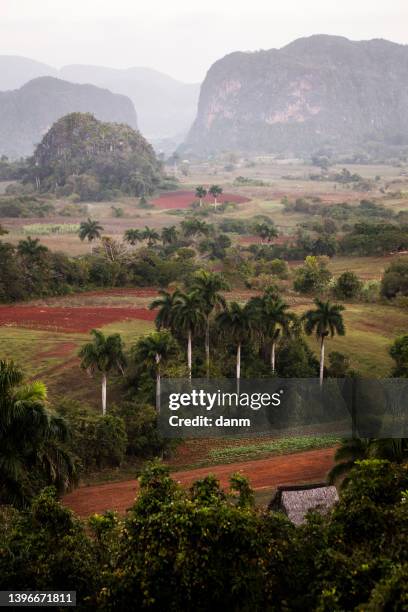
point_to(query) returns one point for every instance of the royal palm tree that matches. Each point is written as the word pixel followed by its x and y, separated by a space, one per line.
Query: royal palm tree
pixel 132 236
pixel 188 318
pixel 165 305
pixel 169 234
pixel 31 440
pixel 324 320
pixel 200 193
pixel 271 320
pixel 236 323
pixel 154 350
pixel 90 229
pixel 103 354
pixel 150 235
pixel 215 191
pixel 207 286
pixel 31 248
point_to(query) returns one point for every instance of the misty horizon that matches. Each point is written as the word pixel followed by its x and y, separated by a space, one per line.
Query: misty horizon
pixel 178 40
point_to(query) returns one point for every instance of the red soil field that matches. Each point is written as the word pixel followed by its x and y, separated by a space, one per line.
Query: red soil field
pixel 309 466
pixel 184 199
pixel 79 319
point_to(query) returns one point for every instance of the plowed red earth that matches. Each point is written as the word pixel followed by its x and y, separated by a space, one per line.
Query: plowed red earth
pixel 184 199
pixel 78 319
pixel 309 466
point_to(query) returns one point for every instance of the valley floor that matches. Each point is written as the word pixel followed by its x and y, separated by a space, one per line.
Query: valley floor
pixel 264 476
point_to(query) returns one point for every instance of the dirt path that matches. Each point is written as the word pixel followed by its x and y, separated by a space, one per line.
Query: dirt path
pixel 309 466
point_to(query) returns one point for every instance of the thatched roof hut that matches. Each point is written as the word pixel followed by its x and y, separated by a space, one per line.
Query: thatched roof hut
pixel 295 501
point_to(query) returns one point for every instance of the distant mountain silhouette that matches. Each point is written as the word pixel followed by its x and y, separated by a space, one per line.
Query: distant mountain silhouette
pixel 15 71
pixel 27 113
pixel 166 108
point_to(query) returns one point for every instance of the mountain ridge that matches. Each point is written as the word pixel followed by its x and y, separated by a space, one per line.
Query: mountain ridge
pixel 28 112
pixel 165 106
pixel 316 92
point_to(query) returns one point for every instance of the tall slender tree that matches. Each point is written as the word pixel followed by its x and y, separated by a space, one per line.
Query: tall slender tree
pixel 155 349
pixel 90 229
pixel 103 354
pixel 324 320
pixel 215 191
pixel 271 320
pixel 188 318
pixel 236 322
pixel 200 193
pixel 150 235
pixel 165 309
pixel 208 286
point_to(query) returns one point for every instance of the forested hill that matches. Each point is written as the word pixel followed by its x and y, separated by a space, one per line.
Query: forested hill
pixel 317 92
pixel 84 156
pixel 27 113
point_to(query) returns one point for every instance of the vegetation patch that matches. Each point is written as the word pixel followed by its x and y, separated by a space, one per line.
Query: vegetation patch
pixel 280 446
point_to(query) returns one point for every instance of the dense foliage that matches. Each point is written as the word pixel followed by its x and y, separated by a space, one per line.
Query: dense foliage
pixel 82 155
pixel 208 549
pixel 31 270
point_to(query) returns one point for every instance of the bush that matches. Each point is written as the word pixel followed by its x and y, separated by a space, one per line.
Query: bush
pixel 395 279
pixel 313 277
pixel 348 286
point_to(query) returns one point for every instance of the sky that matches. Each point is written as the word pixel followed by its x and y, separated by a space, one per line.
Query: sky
pixel 183 37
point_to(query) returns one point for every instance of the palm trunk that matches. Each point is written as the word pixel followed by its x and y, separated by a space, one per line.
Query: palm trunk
pixel 158 381
pixel 273 348
pixel 215 203
pixel 201 202
pixel 207 346
pixel 321 361
pixel 238 366
pixel 189 354
pixel 104 381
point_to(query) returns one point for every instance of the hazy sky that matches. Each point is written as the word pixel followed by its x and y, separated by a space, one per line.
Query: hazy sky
pixel 183 37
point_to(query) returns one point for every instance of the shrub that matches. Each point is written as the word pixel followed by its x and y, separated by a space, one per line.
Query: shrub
pixel 313 277
pixel 348 286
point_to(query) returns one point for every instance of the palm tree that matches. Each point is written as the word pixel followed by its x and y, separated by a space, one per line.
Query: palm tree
pixel 165 304
pixel 90 229
pixel 188 318
pixel 132 236
pixel 31 440
pixel 103 354
pixel 326 319
pixel 150 235
pixel 215 191
pixel 31 248
pixel 356 449
pixel 272 319
pixel 154 350
pixel 169 235
pixel 194 227
pixel 236 322
pixel 200 193
pixel 207 286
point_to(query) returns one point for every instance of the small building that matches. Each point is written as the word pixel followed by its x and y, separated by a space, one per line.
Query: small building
pixel 295 501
